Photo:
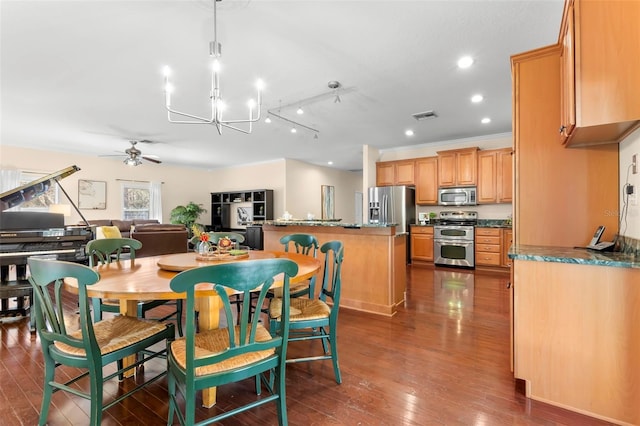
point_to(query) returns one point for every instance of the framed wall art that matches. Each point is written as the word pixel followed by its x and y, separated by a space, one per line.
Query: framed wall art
pixel 92 194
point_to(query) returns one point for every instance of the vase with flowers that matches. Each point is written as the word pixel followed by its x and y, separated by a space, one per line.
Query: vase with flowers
pixel 202 243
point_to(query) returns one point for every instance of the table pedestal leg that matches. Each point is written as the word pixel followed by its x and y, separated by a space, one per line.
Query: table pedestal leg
pixel 130 308
pixel 208 319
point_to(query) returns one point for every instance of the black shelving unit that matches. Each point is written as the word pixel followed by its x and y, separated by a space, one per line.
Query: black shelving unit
pixel 221 202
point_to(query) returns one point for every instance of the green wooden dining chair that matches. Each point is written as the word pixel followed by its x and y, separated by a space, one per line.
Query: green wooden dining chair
pixel 312 319
pixel 89 346
pixel 306 244
pixel 107 250
pixel 233 353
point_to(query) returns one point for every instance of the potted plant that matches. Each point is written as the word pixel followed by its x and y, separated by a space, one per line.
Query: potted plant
pixel 187 215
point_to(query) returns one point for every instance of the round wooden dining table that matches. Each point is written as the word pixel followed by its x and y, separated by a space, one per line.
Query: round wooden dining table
pixel 148 278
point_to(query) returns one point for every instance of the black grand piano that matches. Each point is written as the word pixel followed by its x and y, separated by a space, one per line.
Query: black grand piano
pixel 25 234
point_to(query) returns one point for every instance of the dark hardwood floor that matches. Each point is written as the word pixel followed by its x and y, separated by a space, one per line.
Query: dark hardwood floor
pixel 442 360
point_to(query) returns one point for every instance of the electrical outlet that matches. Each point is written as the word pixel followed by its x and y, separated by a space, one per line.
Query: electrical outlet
pixel 634 164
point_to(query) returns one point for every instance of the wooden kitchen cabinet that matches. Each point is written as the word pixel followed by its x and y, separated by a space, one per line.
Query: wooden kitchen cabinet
pixel 422 243
pixel 504 182
pixel 507 239
pixel 385 173
pixel 427 181
pixel 458 167
pixel 488 246
pixel 401 172
pixel 599 82
pixel 495 176
pixel 550 177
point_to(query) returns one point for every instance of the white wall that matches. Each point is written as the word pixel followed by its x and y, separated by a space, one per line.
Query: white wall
pixel 303 190
pixel 502 140
pixel 629 147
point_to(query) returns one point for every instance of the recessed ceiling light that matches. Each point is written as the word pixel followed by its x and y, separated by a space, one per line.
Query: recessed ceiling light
pixel 267 120
pixel 293 130
pixel 408 132
pixel 465 62
pixel 485 120
pixel 300 111
pixel 476 98
pixel 330 163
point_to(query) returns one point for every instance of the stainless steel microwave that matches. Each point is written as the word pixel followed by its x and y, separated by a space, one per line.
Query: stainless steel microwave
pixel 457 196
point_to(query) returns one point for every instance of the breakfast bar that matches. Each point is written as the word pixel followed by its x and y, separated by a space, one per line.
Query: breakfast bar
pixel 374 268
pixel 576 329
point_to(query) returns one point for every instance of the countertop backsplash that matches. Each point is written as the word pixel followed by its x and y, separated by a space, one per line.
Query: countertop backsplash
pixel 485 211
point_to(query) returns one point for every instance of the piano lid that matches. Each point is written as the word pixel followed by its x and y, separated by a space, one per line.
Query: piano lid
pixel 33 189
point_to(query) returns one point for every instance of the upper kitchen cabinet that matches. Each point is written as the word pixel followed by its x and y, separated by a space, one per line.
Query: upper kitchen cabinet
pixel 427 181
pixel 457 167
pixel 560 195
pixel 495 176
pixel 599 65
pixel 399 172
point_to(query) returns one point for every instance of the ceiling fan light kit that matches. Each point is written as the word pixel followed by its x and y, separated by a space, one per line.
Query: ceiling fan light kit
pixel 217 106
pixel 134 156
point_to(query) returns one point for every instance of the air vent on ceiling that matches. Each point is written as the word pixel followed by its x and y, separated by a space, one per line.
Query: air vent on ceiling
pixel 424 115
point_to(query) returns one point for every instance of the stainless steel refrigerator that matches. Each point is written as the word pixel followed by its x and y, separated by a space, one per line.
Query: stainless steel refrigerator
pixel 393 205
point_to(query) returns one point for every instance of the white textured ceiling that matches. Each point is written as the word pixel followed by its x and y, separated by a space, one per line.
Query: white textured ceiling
pixel 86 76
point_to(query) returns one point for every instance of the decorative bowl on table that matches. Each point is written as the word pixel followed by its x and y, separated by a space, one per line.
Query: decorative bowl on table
pixel 225 244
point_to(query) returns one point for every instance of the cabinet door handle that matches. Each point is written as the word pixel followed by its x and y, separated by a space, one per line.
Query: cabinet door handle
pixel 562 128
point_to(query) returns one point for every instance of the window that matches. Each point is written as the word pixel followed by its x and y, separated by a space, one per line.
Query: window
pixel 135 201
pixel 41 202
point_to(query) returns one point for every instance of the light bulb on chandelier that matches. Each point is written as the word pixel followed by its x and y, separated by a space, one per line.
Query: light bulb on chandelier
pixel 217 106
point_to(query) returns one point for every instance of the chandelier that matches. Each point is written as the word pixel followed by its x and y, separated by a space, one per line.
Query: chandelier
pixel 217 105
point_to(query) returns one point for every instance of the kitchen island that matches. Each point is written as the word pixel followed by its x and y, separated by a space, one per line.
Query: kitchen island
pixel 374 267
pixel 576 329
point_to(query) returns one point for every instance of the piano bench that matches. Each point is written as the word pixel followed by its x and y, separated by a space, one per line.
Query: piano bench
pixel 19 289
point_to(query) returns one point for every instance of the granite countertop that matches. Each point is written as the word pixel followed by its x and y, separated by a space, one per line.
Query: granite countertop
pixel 493 223
pixel 333 222
pixel 482 223
pixel 573 255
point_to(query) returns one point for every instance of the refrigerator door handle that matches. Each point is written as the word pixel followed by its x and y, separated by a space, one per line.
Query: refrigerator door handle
pixel 385 209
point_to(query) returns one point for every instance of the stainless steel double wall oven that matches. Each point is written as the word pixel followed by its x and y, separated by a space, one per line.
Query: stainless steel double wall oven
pixel 453 239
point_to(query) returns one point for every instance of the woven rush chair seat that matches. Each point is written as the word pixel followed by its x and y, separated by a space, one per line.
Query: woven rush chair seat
pixel 301 309
pixel 114 333
pixel 298 288
pixel 215 341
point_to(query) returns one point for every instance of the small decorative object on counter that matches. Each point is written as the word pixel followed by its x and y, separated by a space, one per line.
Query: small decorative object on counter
pixel 225 244
pixel 432 216
pixel 423 218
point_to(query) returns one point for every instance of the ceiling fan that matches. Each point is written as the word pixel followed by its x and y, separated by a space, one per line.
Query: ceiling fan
pixel 134 155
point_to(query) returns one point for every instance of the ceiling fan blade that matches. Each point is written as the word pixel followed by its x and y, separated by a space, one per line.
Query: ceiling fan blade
pixel 113 155
pixel 153 160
